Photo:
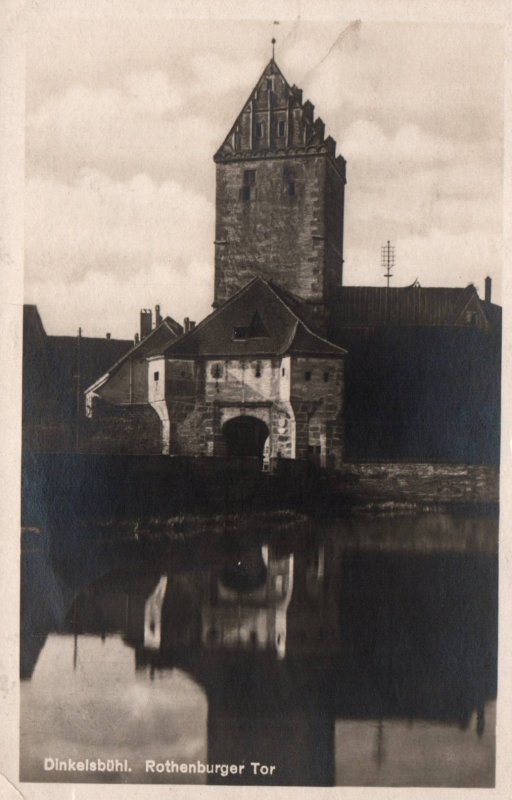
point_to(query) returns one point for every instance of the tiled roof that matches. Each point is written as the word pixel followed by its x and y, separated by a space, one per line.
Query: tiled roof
pixel 95 356
pixel 153 344
pixel 227 331
pixel 362 306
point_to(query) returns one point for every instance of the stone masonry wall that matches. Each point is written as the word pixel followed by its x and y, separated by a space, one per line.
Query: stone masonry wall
pixel 318 405
pixel 125 429
pixel 425 482
pixel 273 234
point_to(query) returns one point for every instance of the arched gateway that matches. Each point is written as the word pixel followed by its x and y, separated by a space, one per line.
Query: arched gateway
pixel 245 436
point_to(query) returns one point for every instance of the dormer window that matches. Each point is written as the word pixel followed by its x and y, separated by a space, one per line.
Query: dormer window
pixel 240 333
pixel 256 329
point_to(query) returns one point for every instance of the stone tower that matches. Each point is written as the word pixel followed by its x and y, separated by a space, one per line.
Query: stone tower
pixel 280 198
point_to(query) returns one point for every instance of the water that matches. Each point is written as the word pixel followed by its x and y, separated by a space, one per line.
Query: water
pixel 355 652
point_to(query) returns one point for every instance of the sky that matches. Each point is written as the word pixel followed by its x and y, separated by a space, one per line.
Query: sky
pixel 123 117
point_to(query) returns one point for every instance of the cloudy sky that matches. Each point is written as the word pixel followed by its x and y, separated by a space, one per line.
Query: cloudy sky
pixel 124 116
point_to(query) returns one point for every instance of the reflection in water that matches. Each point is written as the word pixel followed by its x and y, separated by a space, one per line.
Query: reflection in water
pixel 337 659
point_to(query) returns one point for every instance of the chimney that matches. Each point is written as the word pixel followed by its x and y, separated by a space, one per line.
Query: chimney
pixel 158 316
pixel 136 339
pixel 186 325
pixel 488 289
pixel 107 335
pixel 146 316
pixel 192 325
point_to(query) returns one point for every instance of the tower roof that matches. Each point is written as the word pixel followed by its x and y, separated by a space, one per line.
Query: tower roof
pixel 275 121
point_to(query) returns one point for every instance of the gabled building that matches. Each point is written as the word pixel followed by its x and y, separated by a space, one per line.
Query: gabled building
pixel 251 379
pixel 423 373
pixel 415 305
pixel 55 371
pixel 125 383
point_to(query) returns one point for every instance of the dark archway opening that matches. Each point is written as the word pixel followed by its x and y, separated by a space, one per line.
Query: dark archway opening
pixel 245 436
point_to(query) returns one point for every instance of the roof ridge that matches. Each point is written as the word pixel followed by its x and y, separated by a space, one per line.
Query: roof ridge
pixel 215 311
pixel 99 382
pixel 292 336
pixel 300 320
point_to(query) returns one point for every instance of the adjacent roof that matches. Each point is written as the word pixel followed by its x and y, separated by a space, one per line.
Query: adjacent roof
pixel 95 355
pixel 362 306
pixel 275 121
pixel 153 344
pixel 256 321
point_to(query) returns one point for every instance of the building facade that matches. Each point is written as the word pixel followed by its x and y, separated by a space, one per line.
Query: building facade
pixel 251 380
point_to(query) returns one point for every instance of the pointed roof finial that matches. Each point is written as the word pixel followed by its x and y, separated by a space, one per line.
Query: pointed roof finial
pixel 273 48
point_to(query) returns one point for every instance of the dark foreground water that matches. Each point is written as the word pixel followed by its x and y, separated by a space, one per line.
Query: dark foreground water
pixel 359 652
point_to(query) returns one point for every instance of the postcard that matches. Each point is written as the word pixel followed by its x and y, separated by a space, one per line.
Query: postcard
pixel 257 434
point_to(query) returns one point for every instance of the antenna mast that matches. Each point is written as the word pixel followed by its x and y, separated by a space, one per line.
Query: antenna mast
pixel 387 260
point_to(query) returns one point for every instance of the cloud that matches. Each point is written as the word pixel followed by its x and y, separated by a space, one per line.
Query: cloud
pixel 413 198
pixel 99 302
pixel 140 127
pixel 98 244
pixel 96 216
pixel 123 122
pixel 435 258
pixel 217 74
pixel 365 140
pixel 447 76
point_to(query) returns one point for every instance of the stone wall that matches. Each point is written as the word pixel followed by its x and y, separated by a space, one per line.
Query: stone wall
pixel 317 402
pixel 124 429
pixel 425 482
pixel 274 234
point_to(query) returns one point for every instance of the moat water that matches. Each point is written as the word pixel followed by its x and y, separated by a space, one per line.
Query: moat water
pixel 349 652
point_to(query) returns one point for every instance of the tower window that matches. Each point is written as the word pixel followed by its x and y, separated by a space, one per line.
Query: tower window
pixel 216 371
pixel 307 376
pixel 280 128
pixel 269 84
pixel 289 180
pixel 257 370
pixel 156 376
pixel 260 130
pixel 249 184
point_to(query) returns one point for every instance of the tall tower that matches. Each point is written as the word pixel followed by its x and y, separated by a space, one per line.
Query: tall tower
pixel 280 197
